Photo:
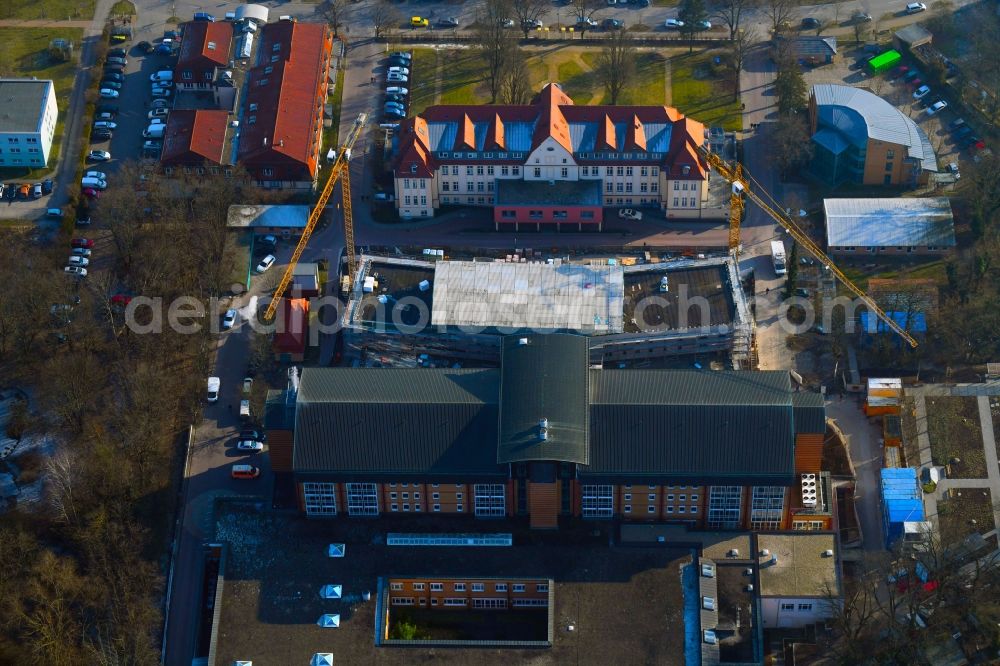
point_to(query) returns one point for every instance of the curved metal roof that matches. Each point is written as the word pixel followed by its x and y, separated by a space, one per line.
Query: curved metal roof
pixel 860 114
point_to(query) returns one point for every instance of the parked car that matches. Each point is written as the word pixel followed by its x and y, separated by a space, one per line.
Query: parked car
pixel 912 74
pixel 96 174
pixel 77 271
pixel 395 98
pixel 401 54
pixel 117 53
pixel 953 170
pixel 586 24
pixel 393 113
pixel 673 24
pixel 204 16
pixel 249 445
pixel 24 191
pixel 507 22
pixel 105 116
pixel 114 76
pixel 78 261
pixel 398 69
pixel 114 60
pixel 36 190
pixel 396 77
pixel 247 390
pixel 419 22
pixel 229 319
pixel 269 240
pixel 613 24
pixel 936 106
pixel 921 92
pixel 862 17
pixel 47 187
pixel 810 23
pixel 449 22
pixel 53 212
pixel 114 69
pixel 395 105
pixel 86 243
pixel 630 214
pixel 98 135
pixel 245 472
pixel 266 263
pixel 156 121
pixel 399 62
pixel 99 156
pixel 163 49
pixel 105 124
pixel 158 113
pixel 704 25
pixel 397 90
pixel 159 91
pixel 108 93
pixel 532 24
pixel 91 193
pixel 110 85
pixel 214 384
pixel 963 132
pixel 144 48
pixel 151 145
pixel 160 104
pixel 916 8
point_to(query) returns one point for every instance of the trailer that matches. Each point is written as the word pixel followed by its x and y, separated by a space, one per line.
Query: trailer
pixel 778 257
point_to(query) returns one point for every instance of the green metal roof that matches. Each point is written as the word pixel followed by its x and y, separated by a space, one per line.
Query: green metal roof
pixel 691 424
pixel 544 377
pixel 545 193
pixel 810 412
pixel 397 421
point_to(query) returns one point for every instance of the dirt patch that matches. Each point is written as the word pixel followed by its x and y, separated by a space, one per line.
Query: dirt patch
pixel 955 435
pixel 835 453
pixel 911 449
pixel 966 510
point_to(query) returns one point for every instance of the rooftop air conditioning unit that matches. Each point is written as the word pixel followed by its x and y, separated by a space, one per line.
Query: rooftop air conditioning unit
pixel 827 553
pixel 708 603
pixel 733 552
pixel 708 571
pixel 522 341
pixel 765 553
pixel 749 588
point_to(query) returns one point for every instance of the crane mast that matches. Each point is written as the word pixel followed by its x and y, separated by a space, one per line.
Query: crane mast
pixel 740 181
pixel 340 172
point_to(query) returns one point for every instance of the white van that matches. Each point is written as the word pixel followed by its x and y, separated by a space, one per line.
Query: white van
pixel 95 183
pixel 162 75
pixel 154 132
pixel 214 383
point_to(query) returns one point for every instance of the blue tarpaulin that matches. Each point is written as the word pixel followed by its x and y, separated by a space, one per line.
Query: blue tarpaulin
pixel 913 322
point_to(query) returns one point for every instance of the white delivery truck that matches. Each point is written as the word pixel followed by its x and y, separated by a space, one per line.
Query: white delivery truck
pixel 778 257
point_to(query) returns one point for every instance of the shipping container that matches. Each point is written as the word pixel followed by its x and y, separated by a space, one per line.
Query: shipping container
pixel 884 62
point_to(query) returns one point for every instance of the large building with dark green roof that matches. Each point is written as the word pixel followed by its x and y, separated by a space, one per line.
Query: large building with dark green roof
pixel 548 437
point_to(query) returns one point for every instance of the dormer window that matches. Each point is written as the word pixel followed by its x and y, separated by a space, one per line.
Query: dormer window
pixel 413 168
pixel 254 107
pixel 276 47
pixel 686 169
pixel 211 46
pixel 268 70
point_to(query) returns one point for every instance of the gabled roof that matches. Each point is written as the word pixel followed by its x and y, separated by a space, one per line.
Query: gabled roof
pixel 397 421
pixel 899 222
pixel 206 45
pixel 293 326
pixel 286 88
pixel 195 137
pixel 693 424
pixel 551 122
pixel 544 380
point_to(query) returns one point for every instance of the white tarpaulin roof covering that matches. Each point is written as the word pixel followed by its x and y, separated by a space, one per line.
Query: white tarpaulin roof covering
pixel 322 659
pixel 536 296
pixel 330 591
pixel 329 620
pixel 903 222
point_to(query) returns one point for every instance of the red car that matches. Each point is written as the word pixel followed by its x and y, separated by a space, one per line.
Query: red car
pixel 91 193
pixel 121 300
pixel 82 242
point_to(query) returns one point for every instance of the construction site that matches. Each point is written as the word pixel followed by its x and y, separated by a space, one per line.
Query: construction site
pixel 655 312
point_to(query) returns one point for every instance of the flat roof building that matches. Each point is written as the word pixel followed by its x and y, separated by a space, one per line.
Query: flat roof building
pixel 798 575
pixel 28 117
pixel 904 225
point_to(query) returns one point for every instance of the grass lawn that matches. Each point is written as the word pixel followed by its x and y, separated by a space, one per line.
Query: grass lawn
pixel 955 514
pixel 954 432
pixel 461 80
pixel 123 8
pixel 705 97
pixel 74 10
pixel 24 52
pixel 931 270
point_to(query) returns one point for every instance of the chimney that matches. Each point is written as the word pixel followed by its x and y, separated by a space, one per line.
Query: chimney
pixel 265 141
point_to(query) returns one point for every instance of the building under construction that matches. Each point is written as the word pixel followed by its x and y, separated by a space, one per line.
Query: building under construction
pixel 435 312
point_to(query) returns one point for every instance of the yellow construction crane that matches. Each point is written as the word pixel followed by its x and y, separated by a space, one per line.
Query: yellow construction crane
pixel 341 171
pixel 740 181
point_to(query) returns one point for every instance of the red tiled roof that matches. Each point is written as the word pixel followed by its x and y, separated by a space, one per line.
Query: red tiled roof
pixel 205 45
pixel 293 325
pixel 288 114
pixel 552 112
pixel 195 137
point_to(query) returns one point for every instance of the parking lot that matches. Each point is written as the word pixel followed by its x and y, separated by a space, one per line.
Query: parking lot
pixel 951 142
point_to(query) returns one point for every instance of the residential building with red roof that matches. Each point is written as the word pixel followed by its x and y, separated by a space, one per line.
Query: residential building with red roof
pixel 281 132
pixel 205 49
pixel 568 161
pixel 195 138
pixel 289 343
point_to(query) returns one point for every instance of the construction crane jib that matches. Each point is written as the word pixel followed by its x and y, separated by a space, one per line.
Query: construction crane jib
pixel 741 186
pixel 339 172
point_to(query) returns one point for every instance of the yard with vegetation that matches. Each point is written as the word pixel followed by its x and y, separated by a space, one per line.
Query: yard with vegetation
pixel 25 52
pixel 703 90
pixel 464 625
pixel 955 433
pixel 966 511
pixel 454 76
pixel 61 10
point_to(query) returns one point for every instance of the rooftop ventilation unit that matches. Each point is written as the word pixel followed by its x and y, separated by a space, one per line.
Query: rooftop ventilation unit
pixel 522 341
pixel 749 588
pixel 809 496
pixel 765 553
pixel 708 571
pixel 710 637
pixel 733 552
pixel 708 603
pixel 827 553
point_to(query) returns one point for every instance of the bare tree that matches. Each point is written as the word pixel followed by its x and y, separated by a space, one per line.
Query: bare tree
pixel 62 478
pixel 494 43
pixel 730 12
pixel 334 12
pixel 515 84
pixel 583 11
pixel 527 12
pixel 384 16
pixel 780 13
pixel 616 65
pixel 739 51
